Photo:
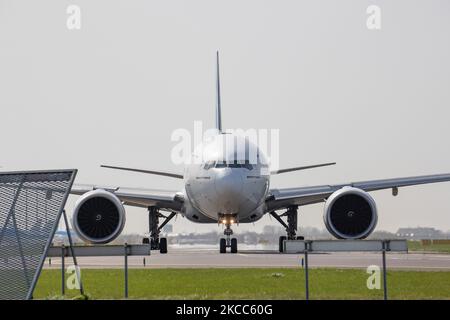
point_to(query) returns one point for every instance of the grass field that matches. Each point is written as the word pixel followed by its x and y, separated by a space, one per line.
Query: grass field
pixel 247 283
pixel 434 247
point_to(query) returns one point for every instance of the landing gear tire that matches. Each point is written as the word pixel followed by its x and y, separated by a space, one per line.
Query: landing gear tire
pixel 223 245
pixel 145 241
pixel 163 245
pixel 300 238
pixel 233 245
pixel 157 243
pixel 280 242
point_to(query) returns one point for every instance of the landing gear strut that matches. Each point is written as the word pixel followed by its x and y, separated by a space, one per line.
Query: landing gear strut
pixel 228 242
pixel 291 226
pixel 157 243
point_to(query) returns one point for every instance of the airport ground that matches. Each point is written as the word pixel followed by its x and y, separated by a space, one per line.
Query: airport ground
pixel 202 273
pixel 247 283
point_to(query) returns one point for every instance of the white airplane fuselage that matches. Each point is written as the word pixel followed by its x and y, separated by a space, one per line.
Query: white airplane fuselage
pixel 224 183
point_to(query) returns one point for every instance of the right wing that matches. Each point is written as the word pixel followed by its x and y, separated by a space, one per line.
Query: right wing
pixel 282 198
pixel 164 199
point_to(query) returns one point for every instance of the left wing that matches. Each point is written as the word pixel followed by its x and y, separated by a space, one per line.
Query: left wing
pixel 282 198
pixel 160 173
pixel 164 199
pixel 302 168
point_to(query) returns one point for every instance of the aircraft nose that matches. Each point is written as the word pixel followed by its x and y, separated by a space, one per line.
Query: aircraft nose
pixel 229 185
pixel 228 182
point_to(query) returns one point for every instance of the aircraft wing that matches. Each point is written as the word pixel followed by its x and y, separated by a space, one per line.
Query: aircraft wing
pixel 164 199
pixel 282 198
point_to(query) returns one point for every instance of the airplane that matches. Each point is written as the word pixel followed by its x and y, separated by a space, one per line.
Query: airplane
pixel 224 187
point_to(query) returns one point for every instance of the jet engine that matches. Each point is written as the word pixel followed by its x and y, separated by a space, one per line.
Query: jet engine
pixel 99 216
pixel 350 213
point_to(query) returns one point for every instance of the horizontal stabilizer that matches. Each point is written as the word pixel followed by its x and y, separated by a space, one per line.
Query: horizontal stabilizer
pixel 160 173
pixel 302 168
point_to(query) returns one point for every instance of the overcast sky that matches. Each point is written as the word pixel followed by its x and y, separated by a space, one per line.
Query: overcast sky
pixel 375 101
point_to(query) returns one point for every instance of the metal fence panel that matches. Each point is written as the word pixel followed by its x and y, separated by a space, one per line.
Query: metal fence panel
pixel 31 204
pixel 101 250
pixel 298 246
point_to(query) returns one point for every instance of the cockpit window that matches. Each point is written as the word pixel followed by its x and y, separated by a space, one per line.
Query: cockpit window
pixel 234 164
pixel 247 166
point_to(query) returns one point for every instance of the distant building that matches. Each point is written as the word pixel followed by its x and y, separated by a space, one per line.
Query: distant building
pixel 419 233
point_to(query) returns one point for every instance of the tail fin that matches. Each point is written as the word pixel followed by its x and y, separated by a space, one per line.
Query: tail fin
pixel 218 109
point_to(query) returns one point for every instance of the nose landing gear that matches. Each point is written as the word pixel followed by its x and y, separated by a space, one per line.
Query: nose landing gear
pixel 228 242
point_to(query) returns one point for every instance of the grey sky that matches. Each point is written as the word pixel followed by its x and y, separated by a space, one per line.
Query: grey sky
pixel 376 102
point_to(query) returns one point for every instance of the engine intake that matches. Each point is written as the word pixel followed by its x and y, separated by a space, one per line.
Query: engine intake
pixel 350 213
pixel 99 217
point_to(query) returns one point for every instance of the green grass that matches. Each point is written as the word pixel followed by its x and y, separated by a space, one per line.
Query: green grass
pixel 247 283
pixel 418 246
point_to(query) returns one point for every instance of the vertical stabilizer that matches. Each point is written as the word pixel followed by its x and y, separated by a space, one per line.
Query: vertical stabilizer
pixel 218 107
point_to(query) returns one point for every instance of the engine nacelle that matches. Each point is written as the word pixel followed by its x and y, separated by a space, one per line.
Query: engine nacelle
pixel 99 217
pixel 350 213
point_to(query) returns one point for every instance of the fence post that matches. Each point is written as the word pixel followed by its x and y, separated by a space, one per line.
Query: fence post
pixel 306 275
pixel 63 284
pixel 384 271
pixel 126 269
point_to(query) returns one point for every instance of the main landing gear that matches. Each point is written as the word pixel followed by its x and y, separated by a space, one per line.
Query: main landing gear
pixel 228 242
pixel 157 243
pixel 291 226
